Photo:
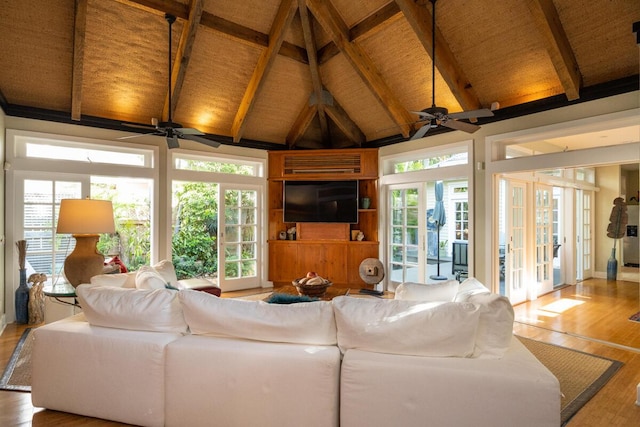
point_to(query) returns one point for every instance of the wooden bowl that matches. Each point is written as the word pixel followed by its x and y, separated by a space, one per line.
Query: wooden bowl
pixel 314 291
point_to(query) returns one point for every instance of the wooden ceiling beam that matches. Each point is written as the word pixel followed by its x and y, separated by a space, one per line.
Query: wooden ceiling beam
pixel 370 25
pixel 420 20
pixel 316 81
pixel 183 55
pixel 79 31
pixel 160 7
pixel 300 126
pixel 344 123
pixel 545 15
pixel 333 24
pixel 220 25
pixel 375 22
pixel 283 19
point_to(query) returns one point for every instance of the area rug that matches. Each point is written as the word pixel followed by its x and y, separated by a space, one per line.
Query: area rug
pixel 17 374
pixel 635 317
pixel 581 375
pixel 332 292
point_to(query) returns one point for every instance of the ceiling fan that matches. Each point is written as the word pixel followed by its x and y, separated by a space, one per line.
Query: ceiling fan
pixel 439 116
pixel 170 130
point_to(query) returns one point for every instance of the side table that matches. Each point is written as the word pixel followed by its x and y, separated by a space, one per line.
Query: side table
pixel 60 302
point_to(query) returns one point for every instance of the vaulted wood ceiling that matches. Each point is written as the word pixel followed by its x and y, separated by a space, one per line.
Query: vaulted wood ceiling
pixel 305 73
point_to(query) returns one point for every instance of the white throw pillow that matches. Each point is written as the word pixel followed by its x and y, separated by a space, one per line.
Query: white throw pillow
pixel 442 291
pixel 302 323
pixel 168 272
pixel 416 328
pixel 156 310
pixel 148 278
pixel 468 287
pixel 118 280
pixel 495 327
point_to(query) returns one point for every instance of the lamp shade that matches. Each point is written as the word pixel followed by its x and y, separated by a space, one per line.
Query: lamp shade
pixel 85 216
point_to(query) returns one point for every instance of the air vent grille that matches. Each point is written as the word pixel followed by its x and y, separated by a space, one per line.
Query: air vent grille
pixel 326 164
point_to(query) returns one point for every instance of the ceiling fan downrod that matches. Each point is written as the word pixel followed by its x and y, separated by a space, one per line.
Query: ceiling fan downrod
pixel 170 19
pixel 433 54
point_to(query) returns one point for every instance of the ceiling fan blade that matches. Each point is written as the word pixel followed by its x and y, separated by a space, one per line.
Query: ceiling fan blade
pixel 457 125
pixel 189 131
pixel 421 132
pixel 484 112
pixel 423 115
pixel 172 141
pixel 201 140
pixel 139 135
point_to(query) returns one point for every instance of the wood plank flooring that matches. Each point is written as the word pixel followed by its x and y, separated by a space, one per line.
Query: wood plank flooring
pixel 591 317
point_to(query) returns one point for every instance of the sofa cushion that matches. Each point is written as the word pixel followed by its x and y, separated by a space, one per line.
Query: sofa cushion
pixel 442 291
pixel 304 323
pixel 495 325
pixel 470 286
pixel 155 310
pixel 168 272
pixel 122 280
pixel 416 328
pixel 148 278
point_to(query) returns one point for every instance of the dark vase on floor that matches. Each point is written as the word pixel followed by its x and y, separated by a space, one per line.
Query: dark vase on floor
pixel 22 299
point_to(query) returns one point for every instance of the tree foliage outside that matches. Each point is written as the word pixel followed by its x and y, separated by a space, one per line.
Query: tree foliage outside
pixel 195 230
pixel 132 239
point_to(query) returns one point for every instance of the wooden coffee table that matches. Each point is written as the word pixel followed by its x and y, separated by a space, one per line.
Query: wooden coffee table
pixel 332 292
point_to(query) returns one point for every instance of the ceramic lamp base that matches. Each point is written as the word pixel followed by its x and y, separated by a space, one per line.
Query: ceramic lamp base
pixel 85 261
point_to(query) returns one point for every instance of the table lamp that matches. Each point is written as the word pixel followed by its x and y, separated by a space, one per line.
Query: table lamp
pixel 85 219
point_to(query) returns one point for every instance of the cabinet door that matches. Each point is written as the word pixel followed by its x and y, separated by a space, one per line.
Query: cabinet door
pixel 326 259
pixel 336 263
pixel 282 262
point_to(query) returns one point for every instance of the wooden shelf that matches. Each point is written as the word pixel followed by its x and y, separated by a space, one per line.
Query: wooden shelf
pixel 321 247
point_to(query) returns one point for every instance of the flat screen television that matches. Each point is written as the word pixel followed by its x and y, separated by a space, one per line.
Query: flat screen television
pixel 321 201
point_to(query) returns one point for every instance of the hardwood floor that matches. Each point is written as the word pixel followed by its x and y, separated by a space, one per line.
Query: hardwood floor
pixel 591 317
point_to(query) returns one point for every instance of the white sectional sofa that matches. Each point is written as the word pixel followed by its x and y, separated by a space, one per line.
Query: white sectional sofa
pixel 176 358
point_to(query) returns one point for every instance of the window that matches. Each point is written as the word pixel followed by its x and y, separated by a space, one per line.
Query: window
pixel 49 168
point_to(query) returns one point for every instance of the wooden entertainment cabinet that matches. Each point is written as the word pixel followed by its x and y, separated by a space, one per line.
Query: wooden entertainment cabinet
pixel 325 248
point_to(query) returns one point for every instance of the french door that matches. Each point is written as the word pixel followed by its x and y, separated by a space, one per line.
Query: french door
pixel 544 239
pixel 584 228
pixel 238 246
pixel 407 233
pixel 515 284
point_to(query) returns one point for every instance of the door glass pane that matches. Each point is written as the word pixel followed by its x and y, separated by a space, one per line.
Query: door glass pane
pixel 195 229
pixel 240 213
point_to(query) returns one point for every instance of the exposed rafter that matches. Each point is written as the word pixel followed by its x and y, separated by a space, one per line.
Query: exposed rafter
pixel 220 25
pixel 301 124
pixel 183 55
pixel 282 21
pixel 316 81
pixel 546 17
pixel 344 123
pixel 420 20
pixel 80 25
pixel 333 24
